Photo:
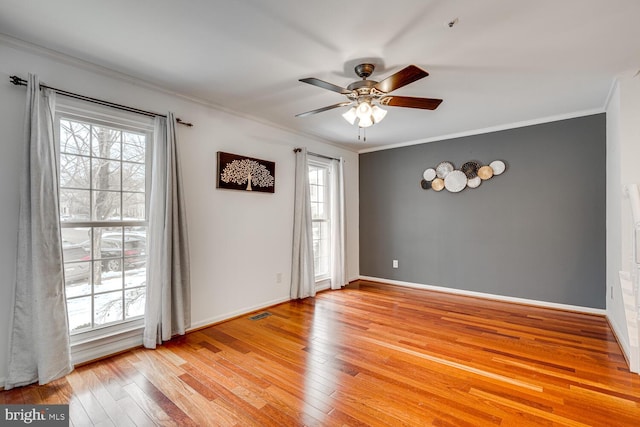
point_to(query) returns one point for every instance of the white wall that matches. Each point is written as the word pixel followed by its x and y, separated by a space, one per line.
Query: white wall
pixel 239 241
pixel 623 154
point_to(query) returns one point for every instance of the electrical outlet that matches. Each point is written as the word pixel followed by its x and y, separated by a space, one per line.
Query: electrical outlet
pixel 611 291
pixel 278 278
pixel 395 263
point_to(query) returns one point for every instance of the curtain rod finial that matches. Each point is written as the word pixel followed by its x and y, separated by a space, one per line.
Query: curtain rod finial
pixel 179 120
pixel 17 80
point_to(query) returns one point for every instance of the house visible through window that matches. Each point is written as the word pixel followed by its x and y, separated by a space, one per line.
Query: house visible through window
pixel 103 199
pixel 321 217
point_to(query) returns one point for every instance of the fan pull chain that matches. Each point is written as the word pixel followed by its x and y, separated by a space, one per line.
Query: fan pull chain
pixel 364 133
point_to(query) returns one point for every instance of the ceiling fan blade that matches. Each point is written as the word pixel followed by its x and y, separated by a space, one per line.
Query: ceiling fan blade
pixel 402 78
pixel 410 102
pixel 320 110
pixel 325 85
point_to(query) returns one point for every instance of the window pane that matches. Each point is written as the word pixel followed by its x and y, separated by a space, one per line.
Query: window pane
pixel 106 206
pixel 321 266
pixel 321 211
pixel 134 300
pixel 134 245
pixel 136 273
pixel 313 175
pixel 133 148
pixel 74 205
pixel 107 308
pixel 107 242
pixel 77 276
pixel 137 233
pixel 321 247
pixel 106 174
pixel 133 206
pixel 75 244
pixel 77 266
pixel 105 143
pixel 74 171
pixel 313 192
pixel 79 311
pixel 74 137
pixel 133 177
pixel 107 275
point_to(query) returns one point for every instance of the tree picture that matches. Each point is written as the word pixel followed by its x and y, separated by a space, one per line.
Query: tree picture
pixel 245 173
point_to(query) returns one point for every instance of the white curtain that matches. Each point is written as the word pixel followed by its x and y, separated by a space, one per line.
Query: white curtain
pixel 168 303
pixel 39 334
pixel 302 273
pixel 337 225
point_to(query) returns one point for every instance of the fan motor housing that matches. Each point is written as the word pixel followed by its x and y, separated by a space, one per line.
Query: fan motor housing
pixel 364 70
pixel 362 86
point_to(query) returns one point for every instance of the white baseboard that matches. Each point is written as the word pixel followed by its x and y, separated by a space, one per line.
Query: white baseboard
pixel 623 343
pixel 545 304
pixel 212 320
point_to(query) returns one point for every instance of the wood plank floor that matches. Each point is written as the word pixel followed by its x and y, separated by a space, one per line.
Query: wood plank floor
pixel 368 355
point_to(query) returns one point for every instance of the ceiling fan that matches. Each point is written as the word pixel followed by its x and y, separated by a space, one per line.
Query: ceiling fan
pixel 366 96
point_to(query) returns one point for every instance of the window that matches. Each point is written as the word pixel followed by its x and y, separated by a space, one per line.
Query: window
pixel 103 198
pixel 321 217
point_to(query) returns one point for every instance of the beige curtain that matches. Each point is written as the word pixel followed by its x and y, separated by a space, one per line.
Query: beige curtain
pixel 168 303
pixel 39 333
pixel 338 275
pixel 302 273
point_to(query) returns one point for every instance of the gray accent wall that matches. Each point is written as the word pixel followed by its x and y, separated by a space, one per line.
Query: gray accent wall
pixel 537 231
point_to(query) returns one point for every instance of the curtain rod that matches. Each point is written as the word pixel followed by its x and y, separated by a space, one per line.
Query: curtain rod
pixel 22 82
pixel 295 150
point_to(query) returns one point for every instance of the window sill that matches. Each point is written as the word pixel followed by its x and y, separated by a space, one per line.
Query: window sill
pixel 323 283
pixel 89 346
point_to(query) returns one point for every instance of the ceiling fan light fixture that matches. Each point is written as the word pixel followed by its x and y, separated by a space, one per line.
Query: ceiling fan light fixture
pixel 364 110
pixel 365 122
pixel 350 115
pixel 378 114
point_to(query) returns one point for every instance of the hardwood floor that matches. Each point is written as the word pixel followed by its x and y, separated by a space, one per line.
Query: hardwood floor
pixel 368 355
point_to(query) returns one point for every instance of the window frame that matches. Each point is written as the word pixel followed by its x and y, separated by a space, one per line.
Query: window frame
pixel 323 280
pixel 94 115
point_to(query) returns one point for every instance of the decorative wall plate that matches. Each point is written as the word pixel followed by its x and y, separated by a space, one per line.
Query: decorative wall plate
pixel 437 184
pixel 485 172
pixel 498 167
pixel 429 174
pixel 455 181
pixel 474 182
pixel 470 169
pixel 443 169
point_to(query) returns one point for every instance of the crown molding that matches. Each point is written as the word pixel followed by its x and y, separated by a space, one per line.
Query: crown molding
pixel 490 129
pixel 64 58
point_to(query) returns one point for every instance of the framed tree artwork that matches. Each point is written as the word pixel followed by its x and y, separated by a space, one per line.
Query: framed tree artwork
pixel 237 172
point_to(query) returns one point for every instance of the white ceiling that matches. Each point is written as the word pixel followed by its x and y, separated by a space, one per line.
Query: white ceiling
pixel 505 61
